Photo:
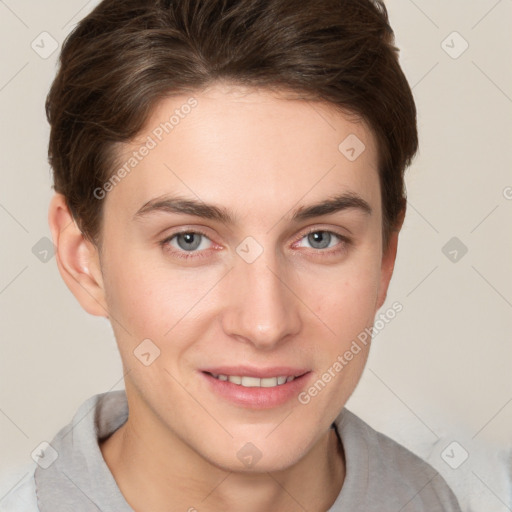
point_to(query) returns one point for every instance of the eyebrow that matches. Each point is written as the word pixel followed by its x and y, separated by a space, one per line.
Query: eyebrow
pixel 180 205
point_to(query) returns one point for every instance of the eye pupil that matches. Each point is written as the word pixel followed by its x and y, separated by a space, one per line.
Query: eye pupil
pixel 190 244
pixel 321 237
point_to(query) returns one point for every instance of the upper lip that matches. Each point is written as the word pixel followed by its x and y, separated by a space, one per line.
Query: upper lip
pixel 261 373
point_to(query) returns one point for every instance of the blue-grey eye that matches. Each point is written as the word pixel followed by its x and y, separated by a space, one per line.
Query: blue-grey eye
pixel 320 239
pixel 189 241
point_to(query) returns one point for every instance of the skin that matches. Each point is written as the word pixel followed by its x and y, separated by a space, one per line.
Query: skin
pixel 260 155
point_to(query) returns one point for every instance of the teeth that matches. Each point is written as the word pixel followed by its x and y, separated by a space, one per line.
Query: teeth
pixel 254 382
pixel 250 382
pixel 269 382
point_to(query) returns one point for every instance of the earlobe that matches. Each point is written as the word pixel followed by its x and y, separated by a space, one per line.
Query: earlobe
pixel 77 258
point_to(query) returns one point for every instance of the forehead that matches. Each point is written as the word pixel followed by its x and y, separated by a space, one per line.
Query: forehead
pixel 251 148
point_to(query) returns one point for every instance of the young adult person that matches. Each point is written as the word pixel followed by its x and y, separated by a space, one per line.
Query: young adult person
pixel 229 194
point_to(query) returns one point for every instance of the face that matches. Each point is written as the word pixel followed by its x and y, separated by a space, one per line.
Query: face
pixel 212 254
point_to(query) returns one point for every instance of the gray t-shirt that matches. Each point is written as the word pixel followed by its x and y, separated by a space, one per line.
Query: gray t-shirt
pixel 71 474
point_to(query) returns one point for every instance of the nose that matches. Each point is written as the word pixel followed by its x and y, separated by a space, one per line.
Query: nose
pixel 261 307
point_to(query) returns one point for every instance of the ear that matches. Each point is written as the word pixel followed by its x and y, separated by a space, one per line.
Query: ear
pixel 77 258
pixel 388 261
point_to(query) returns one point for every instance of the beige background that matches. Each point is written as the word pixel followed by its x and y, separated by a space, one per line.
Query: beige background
pixel 439 373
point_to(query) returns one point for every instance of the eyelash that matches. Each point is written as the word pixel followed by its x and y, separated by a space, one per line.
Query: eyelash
pixel 344 243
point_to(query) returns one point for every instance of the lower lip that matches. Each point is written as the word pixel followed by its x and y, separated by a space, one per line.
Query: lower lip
pixel 257 397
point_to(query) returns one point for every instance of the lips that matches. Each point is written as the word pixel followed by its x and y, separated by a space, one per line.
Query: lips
pixel 256 388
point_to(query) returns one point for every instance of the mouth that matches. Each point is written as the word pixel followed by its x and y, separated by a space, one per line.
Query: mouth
pixel 256 389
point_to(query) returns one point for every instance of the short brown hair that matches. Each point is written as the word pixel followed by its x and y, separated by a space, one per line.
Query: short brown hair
pixel 126 55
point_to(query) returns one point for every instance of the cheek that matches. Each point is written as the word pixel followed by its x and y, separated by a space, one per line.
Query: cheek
pixel 150 298
pixel 346 301
pixel 346 309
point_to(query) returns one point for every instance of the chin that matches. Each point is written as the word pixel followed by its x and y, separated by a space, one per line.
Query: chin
pixel 261 465
pixel 259 455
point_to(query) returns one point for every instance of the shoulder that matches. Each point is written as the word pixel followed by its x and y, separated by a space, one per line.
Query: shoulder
pixel 22 497
pixel 48 486
pixel 383 470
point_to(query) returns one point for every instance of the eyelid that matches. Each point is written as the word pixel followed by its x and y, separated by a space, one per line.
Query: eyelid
pixel 316 229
